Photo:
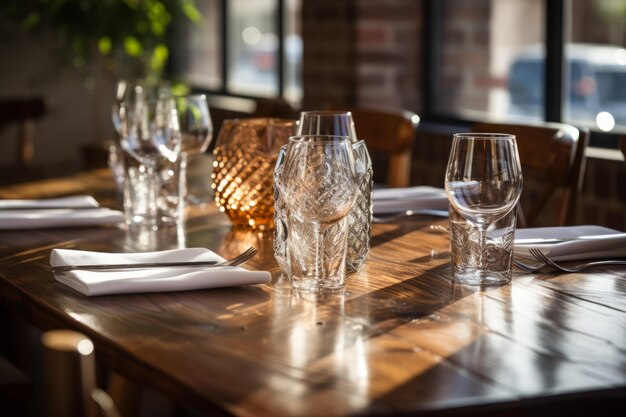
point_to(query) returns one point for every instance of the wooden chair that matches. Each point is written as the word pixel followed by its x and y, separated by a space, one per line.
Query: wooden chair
pixel 70 377
pixel 622 145
pixel 24 112
pixel 553 165
pixel 390 132
pixel 275 108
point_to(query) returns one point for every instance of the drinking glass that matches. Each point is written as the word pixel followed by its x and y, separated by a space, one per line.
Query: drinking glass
pixel 337 123
pixel 483 183
pixel 149 133
pixel 340 123
pixel 196 130
pixel 280 212
pixel 319 187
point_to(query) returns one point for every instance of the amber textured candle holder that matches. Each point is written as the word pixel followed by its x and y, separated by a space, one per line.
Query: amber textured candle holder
pixel 245 156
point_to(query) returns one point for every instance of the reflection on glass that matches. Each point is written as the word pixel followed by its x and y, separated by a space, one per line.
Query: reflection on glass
pixel 145 239
pixel 328 337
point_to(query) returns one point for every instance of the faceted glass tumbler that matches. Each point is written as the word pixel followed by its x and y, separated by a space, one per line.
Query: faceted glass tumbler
pixel 245 156
pixel 359 219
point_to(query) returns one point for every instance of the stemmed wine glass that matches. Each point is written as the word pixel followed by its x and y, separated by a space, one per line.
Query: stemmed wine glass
pixel 196 129
pixel 483 183
pixel 316 122
pixel 341 123
pixel 319 187
pixel 149 131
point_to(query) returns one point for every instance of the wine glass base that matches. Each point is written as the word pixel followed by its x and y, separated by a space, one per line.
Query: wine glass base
pixel 316 284
pixel 479 277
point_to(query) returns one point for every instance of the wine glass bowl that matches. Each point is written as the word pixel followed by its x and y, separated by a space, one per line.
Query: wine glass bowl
pixel 320 179
pixel 484 176
pixel 149 130
pixel 196 126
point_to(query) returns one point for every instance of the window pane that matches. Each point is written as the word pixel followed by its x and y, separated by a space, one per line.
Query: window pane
pixel 597 63
pixel 252 47
pixel 491 63
pixel 293 51
pixel 200 60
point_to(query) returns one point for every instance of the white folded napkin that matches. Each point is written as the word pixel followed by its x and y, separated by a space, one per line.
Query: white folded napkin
pixel 55 212
pixel 572 242
pixel 393 200
pixel 121 281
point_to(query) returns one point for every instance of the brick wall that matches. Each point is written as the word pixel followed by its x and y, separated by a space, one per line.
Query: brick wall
pixel 389 53
pixel 464 66
pixel 328 61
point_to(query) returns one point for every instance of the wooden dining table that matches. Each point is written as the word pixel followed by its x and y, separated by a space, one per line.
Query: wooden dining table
pixel 401 339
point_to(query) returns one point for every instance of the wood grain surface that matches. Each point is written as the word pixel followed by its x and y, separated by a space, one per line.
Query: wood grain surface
pixel 400 340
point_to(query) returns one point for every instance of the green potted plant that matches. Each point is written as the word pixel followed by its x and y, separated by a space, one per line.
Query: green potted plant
pixel 132 36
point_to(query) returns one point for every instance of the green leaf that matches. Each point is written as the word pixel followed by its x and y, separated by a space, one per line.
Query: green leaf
pixel 31 21
pixel 104 45
pixel 132 46
pixel 191 11
pixel 159 57
pixel 180 89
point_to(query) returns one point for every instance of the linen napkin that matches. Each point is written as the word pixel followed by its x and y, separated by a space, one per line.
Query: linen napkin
pixel 572 242
pixel 55 212
pixel 158 279
pixel 394 200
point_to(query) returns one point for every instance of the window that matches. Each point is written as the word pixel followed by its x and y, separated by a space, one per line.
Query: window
pixel 494 59
pixel 481 44
pixel 244 48
pixel 596 58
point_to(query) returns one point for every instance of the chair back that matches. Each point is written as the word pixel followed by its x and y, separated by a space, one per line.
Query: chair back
pixel 24 113
pixel 622 145
pixel 553 165
pixel 390 132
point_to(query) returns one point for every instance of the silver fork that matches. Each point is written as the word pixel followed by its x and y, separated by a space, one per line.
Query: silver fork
pixel 541 257
pixel 237 260
pixel 408 213
pixel 529 268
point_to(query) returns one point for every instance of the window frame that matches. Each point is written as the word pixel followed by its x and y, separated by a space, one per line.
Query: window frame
pixel 224 55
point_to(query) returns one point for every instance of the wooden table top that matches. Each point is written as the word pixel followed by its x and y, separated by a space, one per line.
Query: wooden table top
pixel 401 339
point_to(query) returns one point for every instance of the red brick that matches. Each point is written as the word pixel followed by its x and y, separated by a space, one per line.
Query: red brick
pixel 373 35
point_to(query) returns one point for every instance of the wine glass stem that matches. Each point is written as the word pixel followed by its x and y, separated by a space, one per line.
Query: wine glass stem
pixel 319 249
pixel 184 160
pixel 482 243
pixel 153 193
